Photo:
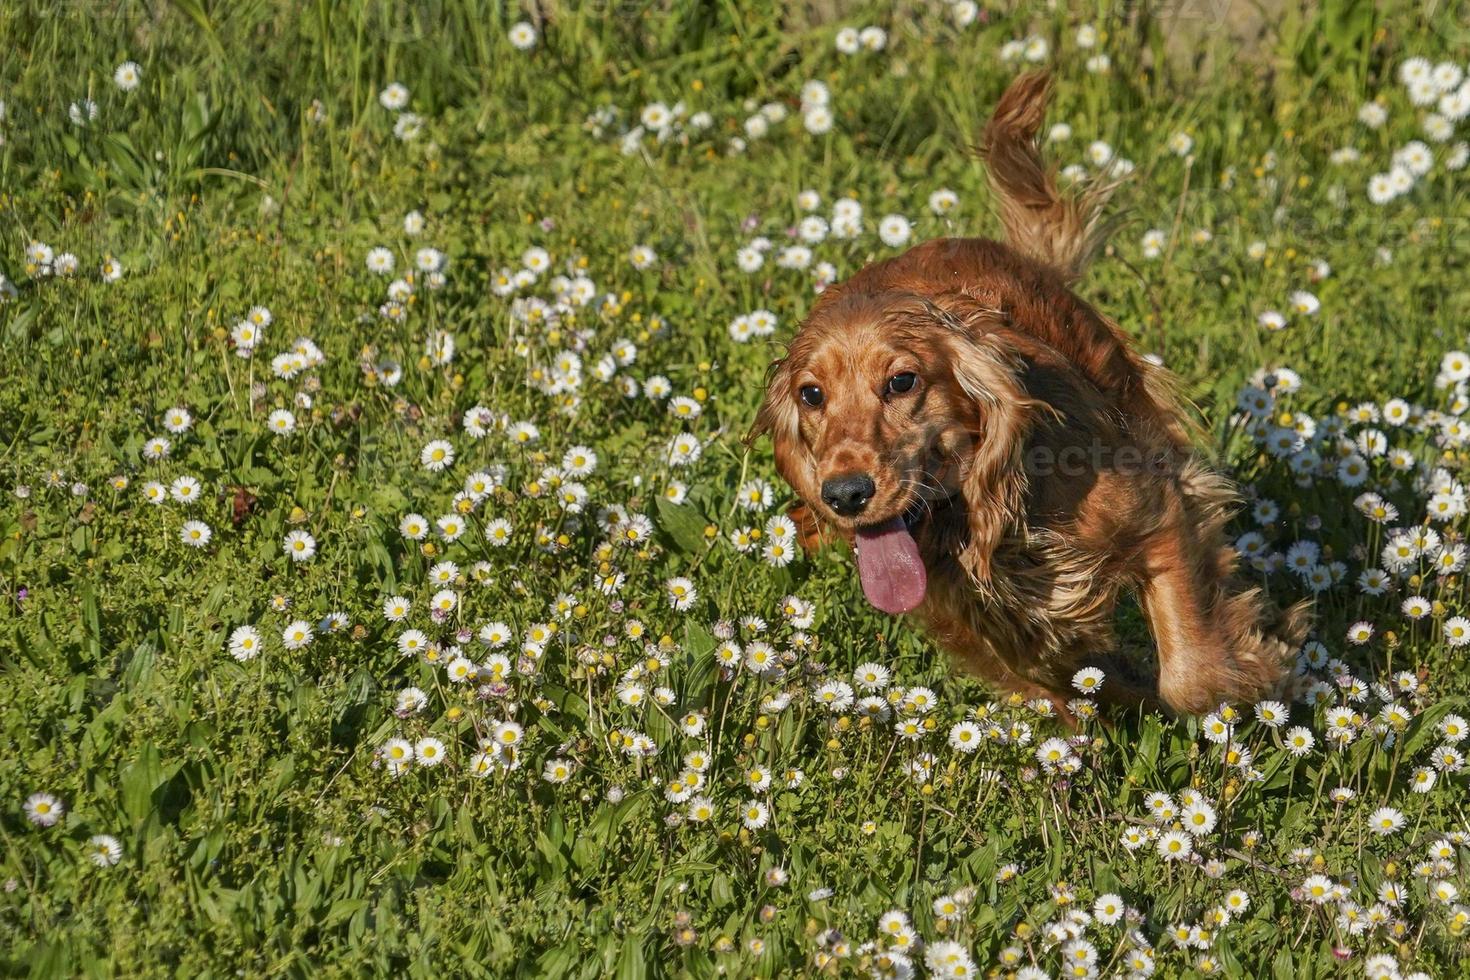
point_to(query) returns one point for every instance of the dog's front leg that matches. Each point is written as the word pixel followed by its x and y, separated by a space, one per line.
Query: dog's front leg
pixel 1209 638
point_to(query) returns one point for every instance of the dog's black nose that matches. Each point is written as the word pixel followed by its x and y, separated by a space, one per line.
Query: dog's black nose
pixel 849 494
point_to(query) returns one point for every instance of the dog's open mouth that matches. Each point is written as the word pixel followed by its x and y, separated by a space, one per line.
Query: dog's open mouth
pixel 893 574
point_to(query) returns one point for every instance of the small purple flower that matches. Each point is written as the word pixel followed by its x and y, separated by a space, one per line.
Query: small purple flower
pixel 492 690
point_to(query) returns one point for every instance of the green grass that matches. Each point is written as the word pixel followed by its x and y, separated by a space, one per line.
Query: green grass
pixel 259 827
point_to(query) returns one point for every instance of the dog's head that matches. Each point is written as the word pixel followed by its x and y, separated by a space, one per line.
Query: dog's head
pixel 887 405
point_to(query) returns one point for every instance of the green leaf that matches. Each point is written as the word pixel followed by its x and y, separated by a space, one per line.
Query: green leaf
pixel 1295 815
pixel 139 781
pixel 587 853
pixel 683 525
pixel 630 964
pixel 139 670
pixel 1145 756
pixel 721 891
pixel 559 962
pixel 195 11
pixel 342 908
pixel 551 853
pixel 91 619
pixel 1426 726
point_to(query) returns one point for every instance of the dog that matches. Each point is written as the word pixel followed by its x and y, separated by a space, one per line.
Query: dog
pixel 1007 466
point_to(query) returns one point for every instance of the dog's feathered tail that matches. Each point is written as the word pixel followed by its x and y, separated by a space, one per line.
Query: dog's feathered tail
pixel 1062 232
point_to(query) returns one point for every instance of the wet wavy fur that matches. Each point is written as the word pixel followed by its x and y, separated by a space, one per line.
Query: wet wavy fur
pixel 1025 566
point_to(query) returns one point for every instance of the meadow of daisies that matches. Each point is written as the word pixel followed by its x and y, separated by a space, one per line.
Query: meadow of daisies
pixel 388 587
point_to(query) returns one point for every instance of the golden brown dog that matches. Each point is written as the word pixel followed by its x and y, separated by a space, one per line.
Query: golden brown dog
pixel 1006 465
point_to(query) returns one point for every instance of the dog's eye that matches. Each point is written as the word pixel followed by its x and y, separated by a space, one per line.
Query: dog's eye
pixel 812 396
pixel 902 384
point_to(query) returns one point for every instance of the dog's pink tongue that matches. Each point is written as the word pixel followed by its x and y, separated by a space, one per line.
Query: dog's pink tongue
pixel 889 564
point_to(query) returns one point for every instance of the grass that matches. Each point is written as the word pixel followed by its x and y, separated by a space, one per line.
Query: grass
pixel 259 826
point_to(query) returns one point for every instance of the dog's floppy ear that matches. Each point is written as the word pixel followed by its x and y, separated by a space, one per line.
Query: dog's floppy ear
pixel 994 477
pixel 779 418
pixel 776 416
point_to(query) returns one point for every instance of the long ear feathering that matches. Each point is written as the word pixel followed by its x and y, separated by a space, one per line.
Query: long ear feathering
pixel 778 418
pixel 1062 232
pixel 994 477
pixel 767 416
